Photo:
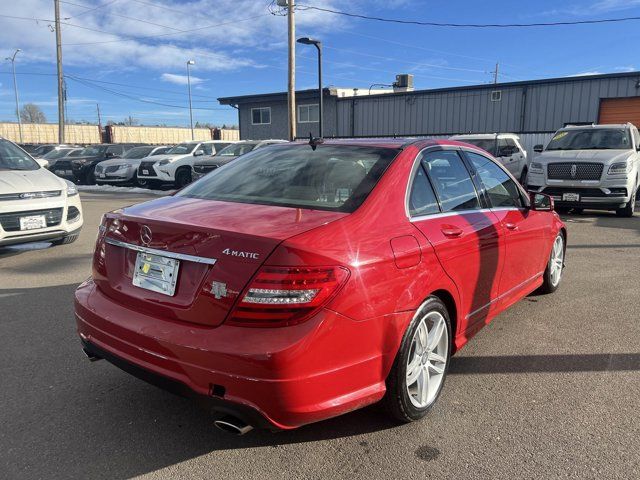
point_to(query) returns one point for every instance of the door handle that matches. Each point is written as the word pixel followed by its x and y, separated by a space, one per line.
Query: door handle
pixel 511 226
pixel 451 231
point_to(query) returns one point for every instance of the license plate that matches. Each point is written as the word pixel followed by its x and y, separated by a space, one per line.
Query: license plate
pixel 145 172
pixel 101 175
pixel 570 197
pixel 156 273
pixel 32 222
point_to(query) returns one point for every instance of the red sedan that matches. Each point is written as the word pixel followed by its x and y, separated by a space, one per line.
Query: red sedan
pixel 301 282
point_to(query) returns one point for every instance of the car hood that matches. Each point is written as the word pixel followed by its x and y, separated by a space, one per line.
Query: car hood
pixel 21 181
pixel 595 156
pixel 121 161
pixel 215 160
pixel 157 158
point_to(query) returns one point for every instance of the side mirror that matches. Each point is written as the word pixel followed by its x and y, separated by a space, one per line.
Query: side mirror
pixel 506 151
pixel 541 202
pixel 198 153
pixel 538 148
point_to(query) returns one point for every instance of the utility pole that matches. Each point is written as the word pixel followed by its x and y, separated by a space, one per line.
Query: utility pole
pixel 15 89
pixel 190 62
pixel 291 97
pixel 60 76
pixel 495 74
pixel 99 122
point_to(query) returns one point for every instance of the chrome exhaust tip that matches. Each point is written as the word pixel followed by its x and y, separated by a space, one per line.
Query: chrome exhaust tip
pixel 232 425
pixel 90 356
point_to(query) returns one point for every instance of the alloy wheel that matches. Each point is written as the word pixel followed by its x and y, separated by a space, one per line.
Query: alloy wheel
pixel 556 263
pixel 427 359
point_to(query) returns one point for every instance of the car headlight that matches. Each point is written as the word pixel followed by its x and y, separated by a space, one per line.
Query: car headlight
pixel 620 168
pixel 123 166
pixel 71 189
pixel 535 167
pixel 166 161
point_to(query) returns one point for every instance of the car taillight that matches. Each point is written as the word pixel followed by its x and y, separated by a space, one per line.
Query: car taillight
pixel 282 296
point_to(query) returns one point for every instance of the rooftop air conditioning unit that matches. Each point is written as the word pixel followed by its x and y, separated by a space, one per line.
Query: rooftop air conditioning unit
pixel 403 83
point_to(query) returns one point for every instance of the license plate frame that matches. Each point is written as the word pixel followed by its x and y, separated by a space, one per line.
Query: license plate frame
pixel 145 171
pixel 156 273
pixel 570 197
pixel 33 222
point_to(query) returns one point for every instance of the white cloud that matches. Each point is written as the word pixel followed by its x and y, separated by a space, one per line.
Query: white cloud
pixel 613 5
pixel 178 30
pixel 180 79
pixel 586 74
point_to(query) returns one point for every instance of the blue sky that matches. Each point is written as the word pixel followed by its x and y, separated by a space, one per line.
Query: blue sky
pixel 129 56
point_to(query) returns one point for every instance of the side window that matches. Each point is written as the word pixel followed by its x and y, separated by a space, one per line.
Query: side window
pixel 636 137
pixel 501 190
pixel 206 148
pixel 451 181
pixel 422 199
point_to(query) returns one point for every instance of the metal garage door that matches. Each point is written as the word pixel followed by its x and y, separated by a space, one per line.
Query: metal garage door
pixel 620 110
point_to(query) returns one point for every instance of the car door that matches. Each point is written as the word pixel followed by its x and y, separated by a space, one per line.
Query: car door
pixel 464 235
pixel 525 230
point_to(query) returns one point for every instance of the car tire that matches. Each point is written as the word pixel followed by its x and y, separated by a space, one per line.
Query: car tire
pixel 183 177
pixel 405 400
pixel 629 209
pixel 66 240
pixel 555 266
pixel 90 177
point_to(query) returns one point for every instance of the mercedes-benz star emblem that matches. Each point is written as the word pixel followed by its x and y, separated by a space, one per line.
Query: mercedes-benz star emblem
pixel 145 235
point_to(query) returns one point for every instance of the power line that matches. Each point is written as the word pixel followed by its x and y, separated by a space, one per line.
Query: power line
pixel 106 4
pixel 131 97
pixel 471 25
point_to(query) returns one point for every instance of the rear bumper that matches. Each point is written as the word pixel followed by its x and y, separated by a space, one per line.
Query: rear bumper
pixel 284 377
pixel 590 197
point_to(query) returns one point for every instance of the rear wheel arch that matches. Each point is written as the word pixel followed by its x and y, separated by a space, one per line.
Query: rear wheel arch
pixel 449 301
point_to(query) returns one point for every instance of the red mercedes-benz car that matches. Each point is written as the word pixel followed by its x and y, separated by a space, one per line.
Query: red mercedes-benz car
pixel 301 282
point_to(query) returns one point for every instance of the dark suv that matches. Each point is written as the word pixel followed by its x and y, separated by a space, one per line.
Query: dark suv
pixel 81 169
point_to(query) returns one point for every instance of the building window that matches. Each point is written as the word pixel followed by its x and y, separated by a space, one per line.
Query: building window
pixel 496 95
pixel 308 113
pixel 261 116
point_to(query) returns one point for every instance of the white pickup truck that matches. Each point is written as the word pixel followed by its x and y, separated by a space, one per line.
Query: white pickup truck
pixel 593 166
pixel 506 147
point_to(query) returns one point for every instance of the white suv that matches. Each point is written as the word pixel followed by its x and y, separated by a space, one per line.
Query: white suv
pixel 506 147
pixel 35 205
pixel 175 165
pixel 594 166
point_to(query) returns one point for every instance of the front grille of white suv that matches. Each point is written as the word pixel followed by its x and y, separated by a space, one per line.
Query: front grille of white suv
pixel 574 171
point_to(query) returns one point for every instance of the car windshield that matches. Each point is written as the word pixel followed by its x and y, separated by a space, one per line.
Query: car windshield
pixel 76 153
pixel 182 149
pixel 138 152
pixel 591 139
pixel 93 151
pixel 57 153
pixel 14 158
pixel 487 144
pixel 236 149
pixel 332 177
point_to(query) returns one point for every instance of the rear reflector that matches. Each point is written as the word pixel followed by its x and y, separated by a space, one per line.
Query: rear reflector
pixel 281 296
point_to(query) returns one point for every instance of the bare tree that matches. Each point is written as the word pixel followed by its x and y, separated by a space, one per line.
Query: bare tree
pixel 32 113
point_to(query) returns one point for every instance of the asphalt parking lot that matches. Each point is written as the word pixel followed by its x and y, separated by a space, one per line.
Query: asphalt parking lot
pixel 551 389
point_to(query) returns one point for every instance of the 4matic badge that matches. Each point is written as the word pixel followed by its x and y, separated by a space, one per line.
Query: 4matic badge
pixel 236 253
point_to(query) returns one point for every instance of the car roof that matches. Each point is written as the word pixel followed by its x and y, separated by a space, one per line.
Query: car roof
pixel 596 126
pixel 484 136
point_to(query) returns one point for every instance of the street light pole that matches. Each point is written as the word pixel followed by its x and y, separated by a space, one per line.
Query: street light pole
pixel 318 45
pixel 15 89
pixel 190 62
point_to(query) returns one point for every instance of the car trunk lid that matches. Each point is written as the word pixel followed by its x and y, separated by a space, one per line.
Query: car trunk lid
pixel 221 245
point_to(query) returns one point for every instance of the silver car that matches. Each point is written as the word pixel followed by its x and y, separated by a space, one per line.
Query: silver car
pixel 123 170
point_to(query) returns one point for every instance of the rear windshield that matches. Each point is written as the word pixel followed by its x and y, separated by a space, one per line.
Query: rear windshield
pixel 591 139
pixel 138 152
pixel 487 144
pixel 236 149
pixel 333 177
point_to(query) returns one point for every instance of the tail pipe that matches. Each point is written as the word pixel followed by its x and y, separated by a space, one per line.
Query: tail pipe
pixel 232 425
pixel 91 356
